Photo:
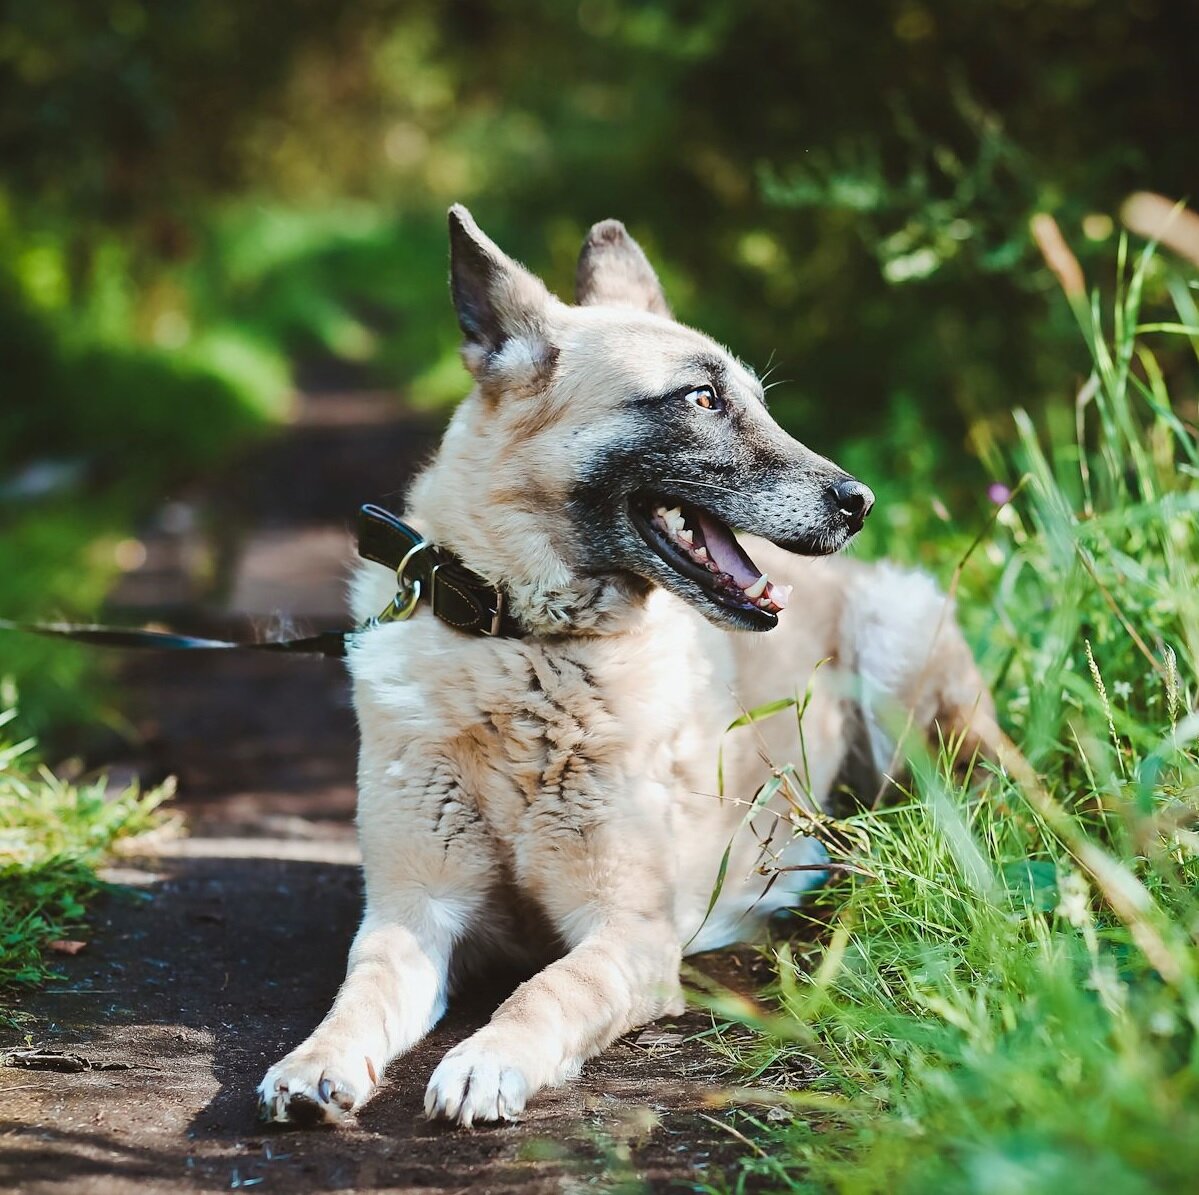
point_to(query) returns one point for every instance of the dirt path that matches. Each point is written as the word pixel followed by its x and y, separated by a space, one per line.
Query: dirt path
pixel 229 944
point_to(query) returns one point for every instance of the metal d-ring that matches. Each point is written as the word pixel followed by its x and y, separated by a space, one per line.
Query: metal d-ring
pixel 403 605
pixel 408 593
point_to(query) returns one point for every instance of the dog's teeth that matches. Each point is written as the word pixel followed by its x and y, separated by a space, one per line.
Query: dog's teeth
pixel 780 595
pixel 700 554
pixel 764 603
pixel 685 536
pixel 758 588
pixel 674 513
pixel 713 567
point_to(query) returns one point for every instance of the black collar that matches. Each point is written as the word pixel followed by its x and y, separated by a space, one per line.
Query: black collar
pixel 425 573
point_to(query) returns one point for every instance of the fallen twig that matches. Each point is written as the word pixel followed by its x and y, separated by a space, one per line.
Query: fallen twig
pixel 68 1064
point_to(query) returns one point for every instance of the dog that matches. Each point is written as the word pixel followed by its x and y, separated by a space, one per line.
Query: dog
pixel 551 797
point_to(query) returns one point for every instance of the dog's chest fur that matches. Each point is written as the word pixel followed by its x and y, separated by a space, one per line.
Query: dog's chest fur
pixel 545 736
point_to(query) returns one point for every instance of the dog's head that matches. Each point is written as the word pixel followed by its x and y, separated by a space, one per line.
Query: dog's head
pixel 606 446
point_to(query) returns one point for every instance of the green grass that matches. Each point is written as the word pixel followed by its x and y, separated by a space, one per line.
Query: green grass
pixel 53 836
pixel 1008 1002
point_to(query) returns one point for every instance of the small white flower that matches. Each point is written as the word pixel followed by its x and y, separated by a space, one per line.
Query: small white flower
pixel 1074 900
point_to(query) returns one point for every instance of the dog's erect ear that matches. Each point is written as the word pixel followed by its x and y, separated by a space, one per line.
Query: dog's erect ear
pixel 613 270
pixel 501 306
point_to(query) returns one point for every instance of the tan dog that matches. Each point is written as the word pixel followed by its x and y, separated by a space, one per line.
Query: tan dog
pixel 553 797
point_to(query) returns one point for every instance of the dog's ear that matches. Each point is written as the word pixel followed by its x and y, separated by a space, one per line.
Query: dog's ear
pixel 614 270
pixel 501 306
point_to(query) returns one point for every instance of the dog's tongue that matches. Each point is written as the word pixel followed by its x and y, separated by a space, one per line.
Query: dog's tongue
pixel 727 553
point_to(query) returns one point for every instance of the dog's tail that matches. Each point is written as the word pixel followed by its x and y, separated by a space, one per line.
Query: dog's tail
pixel 914 675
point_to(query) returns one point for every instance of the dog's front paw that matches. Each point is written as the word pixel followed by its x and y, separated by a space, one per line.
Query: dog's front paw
pixel 309 1089
pixel 476 1083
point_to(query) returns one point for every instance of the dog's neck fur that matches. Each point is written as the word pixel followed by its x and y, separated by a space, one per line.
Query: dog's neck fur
pixel 466 502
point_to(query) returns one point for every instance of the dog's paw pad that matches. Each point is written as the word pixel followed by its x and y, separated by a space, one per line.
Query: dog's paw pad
pixel 305 1112
pixel 472 1084
pixel 301 1092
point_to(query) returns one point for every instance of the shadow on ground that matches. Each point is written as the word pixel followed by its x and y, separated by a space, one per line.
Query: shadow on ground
pixel 230 962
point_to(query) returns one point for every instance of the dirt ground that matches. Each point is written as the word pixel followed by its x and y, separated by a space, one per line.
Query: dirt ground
pixel 224 948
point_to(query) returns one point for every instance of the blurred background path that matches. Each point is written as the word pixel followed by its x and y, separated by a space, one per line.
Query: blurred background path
pixel 259 744
pixel 238 949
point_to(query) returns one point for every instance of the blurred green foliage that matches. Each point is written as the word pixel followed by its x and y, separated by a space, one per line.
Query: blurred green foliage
pixel 792 164
pixel 199 200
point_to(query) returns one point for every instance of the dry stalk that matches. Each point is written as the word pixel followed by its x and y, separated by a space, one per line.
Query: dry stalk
pixel 1059 257
pixel 1157 218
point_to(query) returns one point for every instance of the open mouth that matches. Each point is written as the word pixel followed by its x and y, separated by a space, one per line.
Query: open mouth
pixel 697 545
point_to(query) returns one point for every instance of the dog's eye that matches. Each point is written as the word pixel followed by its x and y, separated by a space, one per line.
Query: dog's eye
pixel 705 398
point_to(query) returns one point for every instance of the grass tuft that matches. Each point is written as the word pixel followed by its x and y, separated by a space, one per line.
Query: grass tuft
pixel 53 836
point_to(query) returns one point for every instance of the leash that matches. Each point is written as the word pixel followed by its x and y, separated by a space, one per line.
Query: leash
pixel 424 574
pixel 330 643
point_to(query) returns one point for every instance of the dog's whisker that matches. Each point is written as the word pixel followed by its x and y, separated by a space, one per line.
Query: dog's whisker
pixel 711 485
pixel 770 366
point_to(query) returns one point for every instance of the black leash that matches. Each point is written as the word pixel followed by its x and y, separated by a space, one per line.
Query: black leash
pixel 330 643
pixel 424 573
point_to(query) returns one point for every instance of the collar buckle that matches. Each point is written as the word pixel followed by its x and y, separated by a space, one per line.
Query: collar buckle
pixel 497 617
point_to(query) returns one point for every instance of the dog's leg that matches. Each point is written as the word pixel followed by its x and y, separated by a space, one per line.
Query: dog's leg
pixel 622 971
pixel 394 992
pixel 621 975
pixel 424 887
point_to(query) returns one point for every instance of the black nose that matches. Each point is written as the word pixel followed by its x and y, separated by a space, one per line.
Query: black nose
pixel 853 500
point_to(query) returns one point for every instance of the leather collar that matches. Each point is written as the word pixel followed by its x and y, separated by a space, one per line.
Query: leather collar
pixel 426 573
